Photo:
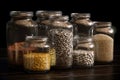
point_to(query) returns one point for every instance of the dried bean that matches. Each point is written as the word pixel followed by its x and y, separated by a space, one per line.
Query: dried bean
pixel 83 58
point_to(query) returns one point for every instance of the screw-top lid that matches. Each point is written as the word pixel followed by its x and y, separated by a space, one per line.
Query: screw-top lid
pixel 85 39
pixel 102 24
pixel 36 39
pixel 21 13
pixel 48 14
pixel 80 15
pixel 62 18
pixel 62 22
pixel 85 43
pixel 37 43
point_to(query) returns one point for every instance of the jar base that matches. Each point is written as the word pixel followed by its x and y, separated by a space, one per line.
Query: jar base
pixel 102 62
pixel 31 71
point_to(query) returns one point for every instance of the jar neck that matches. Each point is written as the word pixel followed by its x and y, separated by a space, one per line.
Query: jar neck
pixel 20 18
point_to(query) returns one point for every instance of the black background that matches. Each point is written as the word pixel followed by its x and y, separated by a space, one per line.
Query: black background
pixel 100 11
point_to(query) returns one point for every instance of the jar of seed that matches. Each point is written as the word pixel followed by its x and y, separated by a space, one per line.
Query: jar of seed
pixel 43 20
pixel 61 33
pixel 37 57
pixel 104 42
pixel 83 55
pixel 20 26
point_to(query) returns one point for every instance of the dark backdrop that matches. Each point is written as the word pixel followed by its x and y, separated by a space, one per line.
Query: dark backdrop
pixel 100 11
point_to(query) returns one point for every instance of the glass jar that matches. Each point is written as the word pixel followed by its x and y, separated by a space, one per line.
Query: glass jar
pixel 61 34
pixel 20 26
pixel 37 56
pixel 83 55
pixel 104 42
pixel 43 20
pixel 82 26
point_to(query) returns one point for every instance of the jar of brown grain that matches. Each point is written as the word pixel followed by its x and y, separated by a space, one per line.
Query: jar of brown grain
pixel 104 42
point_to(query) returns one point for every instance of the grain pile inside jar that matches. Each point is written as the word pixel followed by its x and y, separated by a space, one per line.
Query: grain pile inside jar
pixel 37 61
pixel 103 47
pixel 83 58
pixel 83 54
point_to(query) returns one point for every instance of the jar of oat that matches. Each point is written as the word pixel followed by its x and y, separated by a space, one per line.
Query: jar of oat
pixel 37 57
pixel 61 32
pixel 83 54
pixel 104 42
pixel 82 26
pixel 20 26
pixel 43 20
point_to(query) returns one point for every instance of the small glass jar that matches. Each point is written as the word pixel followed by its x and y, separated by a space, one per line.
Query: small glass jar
pixel 20 26
pixel 83 55
pixel 104 42
pixel 61 37
pixel 37 56
pixel 43 20
pixel 82 26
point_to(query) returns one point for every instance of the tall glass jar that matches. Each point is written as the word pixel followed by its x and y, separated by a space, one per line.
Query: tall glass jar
pixel 37 55
pixel 20 26
pixel 82 26
pixel 83 54
pixel 42 16
pixel 61 32
pixel 104 42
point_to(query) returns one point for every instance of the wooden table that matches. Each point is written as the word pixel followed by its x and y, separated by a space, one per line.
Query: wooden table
pixel 98 72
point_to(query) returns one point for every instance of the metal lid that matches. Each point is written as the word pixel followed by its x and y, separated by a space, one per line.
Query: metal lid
pixel 62 18
pixel 38 39
pixel 42 49
pixel 48 14
pixel 21 13
pixel 80 15
pixel 102 24
pixel 85 39
pixel 85 43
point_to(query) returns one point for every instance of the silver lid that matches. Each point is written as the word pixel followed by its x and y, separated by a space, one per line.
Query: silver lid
pixel 102 24
pixel 49 14
pixel 21 13
pixel 80 15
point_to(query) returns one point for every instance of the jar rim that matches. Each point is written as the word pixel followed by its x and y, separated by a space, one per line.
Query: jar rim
pixel 102 24
pixel 36 38
pixel 80 15
pixel 21 13
pixel 49 14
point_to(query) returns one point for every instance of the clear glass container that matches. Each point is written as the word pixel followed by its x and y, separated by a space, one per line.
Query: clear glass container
pixel 83 54
pixel 20 26
pixel 43 20
pixel 82 26
pixel 104 42
pixel 37 55
pixel 61 36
